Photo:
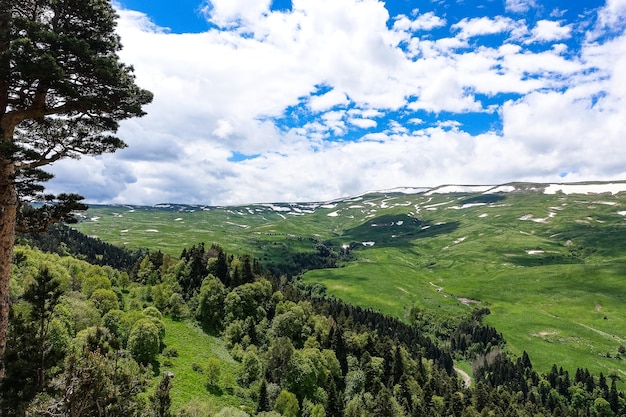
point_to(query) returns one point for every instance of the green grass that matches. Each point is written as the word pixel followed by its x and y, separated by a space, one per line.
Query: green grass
pixel 550 268
pixel 194 346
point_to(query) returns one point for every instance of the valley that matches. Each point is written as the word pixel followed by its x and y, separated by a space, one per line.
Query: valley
pixel 548 260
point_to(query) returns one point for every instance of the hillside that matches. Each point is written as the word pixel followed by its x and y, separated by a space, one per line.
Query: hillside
pixel 548 260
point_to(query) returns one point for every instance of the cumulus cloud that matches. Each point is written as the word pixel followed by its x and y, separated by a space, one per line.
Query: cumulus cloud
pixel 336 97
pixel 485 26
pixel 549 30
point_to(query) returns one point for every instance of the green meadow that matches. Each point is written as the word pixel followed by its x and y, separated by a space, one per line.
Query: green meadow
pixel 193 349
pixel 550 267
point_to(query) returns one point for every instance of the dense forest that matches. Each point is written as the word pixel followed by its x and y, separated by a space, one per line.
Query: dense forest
pixel 88 340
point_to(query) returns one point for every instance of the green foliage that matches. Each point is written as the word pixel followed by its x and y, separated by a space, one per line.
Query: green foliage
pixel 287 404
pixel 211 303
pixel 93 283
pixel 231 412
pixel 161 400
pixel 250 368
pixel 213 371
pixel 177 307
pixel 105 300
pixel 293 324
pixel 143 341
pixel 93 382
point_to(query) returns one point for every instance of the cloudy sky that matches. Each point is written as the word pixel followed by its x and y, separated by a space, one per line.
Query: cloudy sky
pixel 309 100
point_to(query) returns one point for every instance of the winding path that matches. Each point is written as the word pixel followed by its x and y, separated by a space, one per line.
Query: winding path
pixel 467 380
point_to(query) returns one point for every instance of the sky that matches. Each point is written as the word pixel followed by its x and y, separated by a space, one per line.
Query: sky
pixel 310 100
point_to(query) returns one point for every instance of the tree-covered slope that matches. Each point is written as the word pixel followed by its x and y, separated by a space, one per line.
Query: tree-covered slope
pixel 547 260
pixel 212 334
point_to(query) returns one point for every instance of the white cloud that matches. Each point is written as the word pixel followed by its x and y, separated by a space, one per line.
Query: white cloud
pixel 480 26
pixel 226 91
pixel 228 13
pixel 328 100
pixel 426 21
pixel 519 6
pixel 613 14
pixel 550 30
pixel 362 123
pixel 223 129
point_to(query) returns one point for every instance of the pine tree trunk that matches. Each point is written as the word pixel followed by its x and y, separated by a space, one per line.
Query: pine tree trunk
pixel 8 207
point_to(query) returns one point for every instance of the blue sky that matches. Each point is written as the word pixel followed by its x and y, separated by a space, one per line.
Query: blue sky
pixel 303 100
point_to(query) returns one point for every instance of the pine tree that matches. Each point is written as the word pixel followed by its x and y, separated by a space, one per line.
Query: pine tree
pixel 161 400
pixel 62 93
pixel 263 403
pixel 43 295
pixel 334 405
pixel 338 344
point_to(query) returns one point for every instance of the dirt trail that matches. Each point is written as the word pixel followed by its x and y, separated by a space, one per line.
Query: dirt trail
pixel 467 380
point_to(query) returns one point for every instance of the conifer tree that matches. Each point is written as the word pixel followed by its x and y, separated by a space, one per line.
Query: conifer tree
pixel 63 91
pixel 161 400
pixel 263 403
pixel 338 344
pixel 43 295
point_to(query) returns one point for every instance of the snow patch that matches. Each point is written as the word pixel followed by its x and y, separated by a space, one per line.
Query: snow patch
pixel 483 215
pixel 368 243
pixel 333 214
pixel 152 231
pixel 534 252
pixel 447 189
pixel 612 188
pixel 501 189
pixel 178 219
pixel 464 206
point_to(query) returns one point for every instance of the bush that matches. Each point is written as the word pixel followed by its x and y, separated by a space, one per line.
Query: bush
pixel 170 352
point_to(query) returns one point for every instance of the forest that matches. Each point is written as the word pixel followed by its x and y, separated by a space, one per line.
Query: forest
pixel 91 329
pixel 89 340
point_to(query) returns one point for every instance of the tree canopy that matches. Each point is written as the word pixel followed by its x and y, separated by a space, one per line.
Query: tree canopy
pixel 63 91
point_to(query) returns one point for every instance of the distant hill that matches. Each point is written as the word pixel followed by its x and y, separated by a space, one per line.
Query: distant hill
pixel 548 260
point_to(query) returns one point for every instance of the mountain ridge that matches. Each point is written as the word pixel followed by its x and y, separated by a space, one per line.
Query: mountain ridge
pixel 579 187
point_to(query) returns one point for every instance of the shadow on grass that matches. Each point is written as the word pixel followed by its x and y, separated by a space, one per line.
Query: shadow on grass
pixel 156 368
pixel 538 260
pixel 483 198
pixel 396 230
pixel 215 390
pixel 600 239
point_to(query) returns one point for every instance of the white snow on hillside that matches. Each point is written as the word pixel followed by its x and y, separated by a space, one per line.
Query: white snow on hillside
pixel 405 190
pixel 501 189
pixel 464 206
pixel 276 208
pixel 612 188
pixel 447 189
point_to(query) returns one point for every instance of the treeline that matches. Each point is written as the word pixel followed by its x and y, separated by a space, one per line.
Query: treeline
pixel 287 337
pixel 96 333
pixel 64 240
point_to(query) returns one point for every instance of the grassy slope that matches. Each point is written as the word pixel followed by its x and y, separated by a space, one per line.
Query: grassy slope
pixel 194 346
pixel 563 305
